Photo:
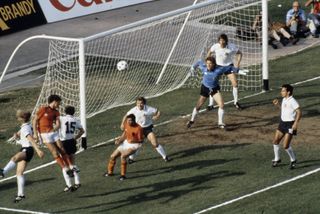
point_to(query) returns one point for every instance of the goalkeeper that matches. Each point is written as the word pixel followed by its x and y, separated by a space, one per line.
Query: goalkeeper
pixel 210 86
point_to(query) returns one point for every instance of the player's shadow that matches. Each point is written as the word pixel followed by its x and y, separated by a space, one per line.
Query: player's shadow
pixel 198 150
pixel 193 165
pixel 158 191
pixel 308 163
pixel 13 184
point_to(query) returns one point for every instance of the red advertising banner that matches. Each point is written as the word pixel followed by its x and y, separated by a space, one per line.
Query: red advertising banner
pixel 18 15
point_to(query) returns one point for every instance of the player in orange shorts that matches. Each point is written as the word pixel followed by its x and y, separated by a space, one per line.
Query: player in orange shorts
pixel 130 140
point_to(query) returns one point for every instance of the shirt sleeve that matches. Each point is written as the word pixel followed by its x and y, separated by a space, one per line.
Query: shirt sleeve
pixel 78 124
pixel 295 105
pixel 213 48
pixel 41 111
pixel 234 49
pixel 25 131
pixel 288 16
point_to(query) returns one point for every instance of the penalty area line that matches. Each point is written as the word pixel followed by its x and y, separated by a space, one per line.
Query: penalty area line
pixel 260 191
pixel 21 211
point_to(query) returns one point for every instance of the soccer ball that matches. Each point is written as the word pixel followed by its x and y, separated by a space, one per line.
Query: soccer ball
pixel 122 65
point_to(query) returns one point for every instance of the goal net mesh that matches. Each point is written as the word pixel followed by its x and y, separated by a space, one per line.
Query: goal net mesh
pixel 159 55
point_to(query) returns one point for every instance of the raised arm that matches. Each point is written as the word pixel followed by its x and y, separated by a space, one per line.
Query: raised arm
pixel 238 58
pixel 308 3
pixel 122 122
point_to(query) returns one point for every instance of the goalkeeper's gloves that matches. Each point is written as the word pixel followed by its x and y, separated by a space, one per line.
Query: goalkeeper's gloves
pixel 243 72
pixel 192 72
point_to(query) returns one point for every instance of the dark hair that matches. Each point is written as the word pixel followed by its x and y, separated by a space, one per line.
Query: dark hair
pixel 25 115
pixel 142 99
pixel 69 110
pixel 132 117
pixel 224 37
pixel 54 97
pixel 288 87
pixel 211 59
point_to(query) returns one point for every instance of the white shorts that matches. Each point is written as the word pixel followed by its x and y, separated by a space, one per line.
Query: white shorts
pixel 126 146
pixel 50 137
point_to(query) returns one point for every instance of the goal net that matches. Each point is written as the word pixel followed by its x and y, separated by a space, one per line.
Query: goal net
pixel 159 52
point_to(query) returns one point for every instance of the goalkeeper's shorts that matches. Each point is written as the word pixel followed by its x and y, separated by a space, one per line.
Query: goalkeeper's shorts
pixel 205 92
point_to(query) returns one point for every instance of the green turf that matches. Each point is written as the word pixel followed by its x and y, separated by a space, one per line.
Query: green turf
pixel 200 176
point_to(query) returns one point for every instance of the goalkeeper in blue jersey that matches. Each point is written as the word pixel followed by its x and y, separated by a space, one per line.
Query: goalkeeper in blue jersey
pixel 210 86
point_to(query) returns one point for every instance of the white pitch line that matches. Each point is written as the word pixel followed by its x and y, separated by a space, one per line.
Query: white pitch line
pixel 259 191
pixel 21 211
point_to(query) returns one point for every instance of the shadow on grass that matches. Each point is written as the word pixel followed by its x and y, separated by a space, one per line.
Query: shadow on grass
pixel 163 191
pixel 13 184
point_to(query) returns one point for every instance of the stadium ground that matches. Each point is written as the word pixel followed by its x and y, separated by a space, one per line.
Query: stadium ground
pixel 209 166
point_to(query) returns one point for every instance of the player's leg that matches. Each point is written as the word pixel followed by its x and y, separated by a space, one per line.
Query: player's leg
pixel 112 161
pixel 124 155
pixel 233 79
pixel 64 154
pixel 286 144
pixel 195 111
pixel 21 166
pixel 219 100
pixel 211 103
pixel 159 148
pixel 13 162
pixel 276 147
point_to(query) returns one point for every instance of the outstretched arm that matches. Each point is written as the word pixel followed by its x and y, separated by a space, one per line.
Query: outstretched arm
pixel 122 122
pixel 238 59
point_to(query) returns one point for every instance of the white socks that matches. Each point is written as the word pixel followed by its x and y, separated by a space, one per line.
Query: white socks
pixel 220 116
pixel 276 149
pixel 194 114
pixel 235 94
pixel 20 182
pixel 291 154
pixel 161 151
pixel 211 101
pixel 76 178
pixel 10 165
pixel 134 155
pixel 66 177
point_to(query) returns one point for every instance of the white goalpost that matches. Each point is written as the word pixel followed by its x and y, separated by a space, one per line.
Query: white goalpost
pixel 159 52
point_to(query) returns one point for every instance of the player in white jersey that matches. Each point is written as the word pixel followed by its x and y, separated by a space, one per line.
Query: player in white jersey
pixel 25 138
pixel 224 52
pixel 144 117
pixel 290 117
pixel 70 131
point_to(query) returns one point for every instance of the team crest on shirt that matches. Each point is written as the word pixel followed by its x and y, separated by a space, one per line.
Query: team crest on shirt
pixel 45 114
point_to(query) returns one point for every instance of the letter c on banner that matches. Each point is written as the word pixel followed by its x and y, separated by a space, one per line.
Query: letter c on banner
pixel 60 6
pixel 87 4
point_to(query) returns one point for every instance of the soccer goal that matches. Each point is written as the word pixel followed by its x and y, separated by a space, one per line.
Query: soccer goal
pixel 158 51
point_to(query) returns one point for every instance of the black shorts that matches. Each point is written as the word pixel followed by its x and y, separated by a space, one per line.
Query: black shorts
pixel 205 92
pixel 29 152
pixel 70 146
pixel 147 130
pixel 286 127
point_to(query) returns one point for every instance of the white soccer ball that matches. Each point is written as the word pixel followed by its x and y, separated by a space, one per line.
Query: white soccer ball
pixel 122 65
pixel 279 5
